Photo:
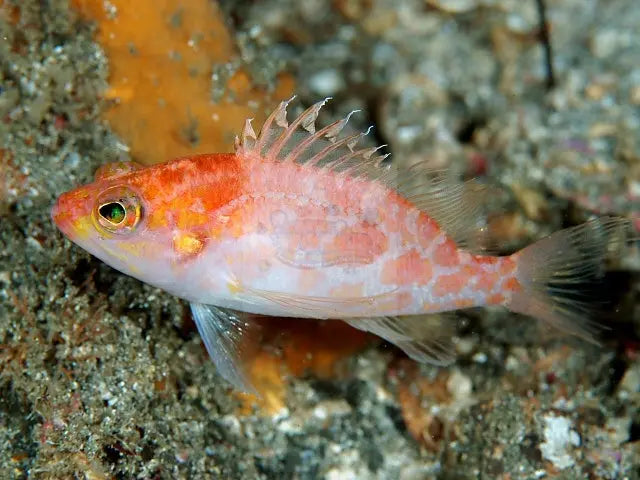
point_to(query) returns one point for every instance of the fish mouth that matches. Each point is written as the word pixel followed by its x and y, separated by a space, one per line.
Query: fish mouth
pixel 60 217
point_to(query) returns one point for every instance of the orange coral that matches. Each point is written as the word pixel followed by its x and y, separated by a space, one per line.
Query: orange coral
pixel 423 424
pixel 161 55
pixel 296 347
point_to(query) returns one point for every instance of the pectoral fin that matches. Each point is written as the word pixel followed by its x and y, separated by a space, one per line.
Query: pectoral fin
pixel 425 338
pixel 224 333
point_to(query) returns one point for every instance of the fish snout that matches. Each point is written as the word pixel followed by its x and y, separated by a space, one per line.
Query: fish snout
pixel 60 213
pixel 57 213
pixel 67 212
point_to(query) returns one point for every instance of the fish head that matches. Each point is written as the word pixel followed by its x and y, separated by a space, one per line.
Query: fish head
pixel 153 223
pixel 109 218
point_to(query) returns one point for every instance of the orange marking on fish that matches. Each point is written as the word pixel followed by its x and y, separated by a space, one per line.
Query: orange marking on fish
pixel 448 284
pixel 307 234
pixel 463 303
pixel 446 254
pixel 157 219
pixel 188 219
pixel 486 260
pixel 382 215
pixel 406 235
pixel 180 182
pixel 496 299
pixel 486 281
pixel 511 284
pixel 507 266
pixel 426 231
pixel 407 269
pixel 471 270
pixel 366 241
pixel 237 222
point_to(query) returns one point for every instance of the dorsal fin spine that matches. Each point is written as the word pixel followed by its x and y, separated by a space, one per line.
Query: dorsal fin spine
pixel 248 135
pixel 367 162
pixel 307 119
pixel 364 153
pixel 266 127
pixel 349 142
pixel 329 132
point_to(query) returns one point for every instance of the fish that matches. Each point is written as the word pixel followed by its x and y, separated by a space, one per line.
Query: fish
pixel 301 221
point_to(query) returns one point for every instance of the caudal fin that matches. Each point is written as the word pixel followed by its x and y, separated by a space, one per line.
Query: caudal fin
pixel 553 271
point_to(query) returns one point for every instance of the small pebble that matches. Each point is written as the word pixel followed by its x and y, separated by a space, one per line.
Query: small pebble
pixel 326 82
pixel 459 385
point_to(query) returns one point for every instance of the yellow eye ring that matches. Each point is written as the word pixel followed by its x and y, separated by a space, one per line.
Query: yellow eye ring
pixel 118 210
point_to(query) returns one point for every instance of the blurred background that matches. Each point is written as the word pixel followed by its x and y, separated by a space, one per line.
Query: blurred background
pixel 104 377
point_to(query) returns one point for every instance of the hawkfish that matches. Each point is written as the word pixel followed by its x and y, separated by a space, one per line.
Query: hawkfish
pixel 302 221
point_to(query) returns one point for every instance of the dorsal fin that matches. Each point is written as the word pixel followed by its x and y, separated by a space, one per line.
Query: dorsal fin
pixel 458 207
pixel 299 141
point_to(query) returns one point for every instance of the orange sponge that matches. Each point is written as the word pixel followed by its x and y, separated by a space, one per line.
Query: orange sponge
pixel 162 55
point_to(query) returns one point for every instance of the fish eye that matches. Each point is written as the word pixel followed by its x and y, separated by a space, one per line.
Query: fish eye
pixel 118 210
pixel 112 212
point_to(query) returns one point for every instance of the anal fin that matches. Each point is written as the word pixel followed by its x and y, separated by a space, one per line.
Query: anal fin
pixel 225 334
pixel 425 338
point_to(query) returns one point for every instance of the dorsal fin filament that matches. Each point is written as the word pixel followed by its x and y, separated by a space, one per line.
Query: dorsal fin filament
pixel 330 132
pixel 279 115
pixel 306 120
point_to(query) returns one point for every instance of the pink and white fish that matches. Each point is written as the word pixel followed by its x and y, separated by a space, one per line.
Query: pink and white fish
pixel 305 223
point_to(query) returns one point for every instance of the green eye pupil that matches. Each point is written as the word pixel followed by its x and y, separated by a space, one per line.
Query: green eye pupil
pixel 113 212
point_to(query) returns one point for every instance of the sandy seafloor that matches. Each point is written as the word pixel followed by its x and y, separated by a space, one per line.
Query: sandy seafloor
pixel 104 377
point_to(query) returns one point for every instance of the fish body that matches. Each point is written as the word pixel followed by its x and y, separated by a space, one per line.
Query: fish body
pixel 304 223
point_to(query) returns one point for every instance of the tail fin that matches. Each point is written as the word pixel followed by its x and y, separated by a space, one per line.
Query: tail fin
pixel 552 270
